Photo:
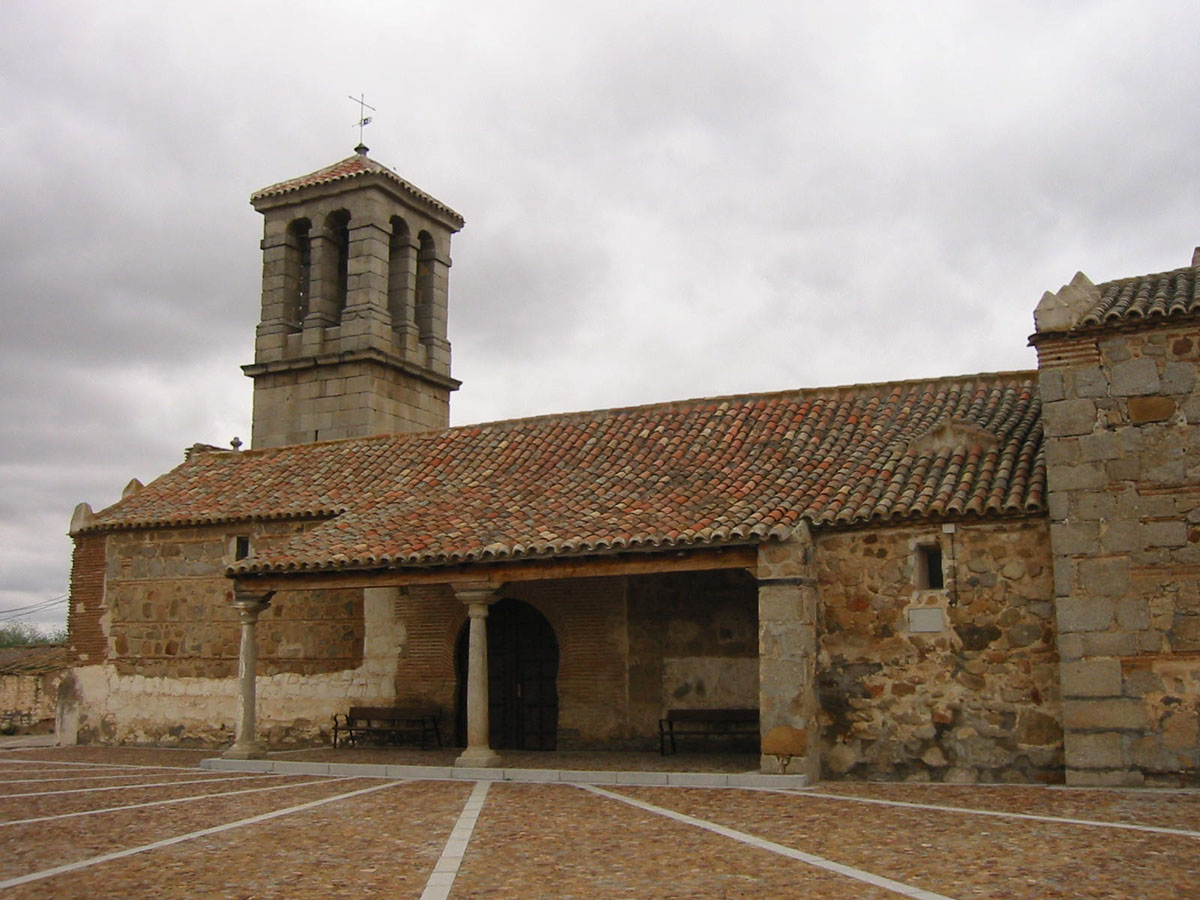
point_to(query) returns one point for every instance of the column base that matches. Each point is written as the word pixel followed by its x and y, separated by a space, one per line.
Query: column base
pixel 245 751
pixel 482 757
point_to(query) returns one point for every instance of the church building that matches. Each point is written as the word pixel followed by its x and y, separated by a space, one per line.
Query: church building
pixel 978 577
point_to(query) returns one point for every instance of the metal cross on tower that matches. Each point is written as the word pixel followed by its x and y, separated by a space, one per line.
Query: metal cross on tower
pixel 363 119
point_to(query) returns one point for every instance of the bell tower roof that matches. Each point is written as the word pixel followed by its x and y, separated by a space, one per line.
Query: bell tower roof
pixel 357 166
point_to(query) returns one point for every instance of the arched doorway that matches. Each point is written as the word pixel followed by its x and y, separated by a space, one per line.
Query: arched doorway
pixel 522 678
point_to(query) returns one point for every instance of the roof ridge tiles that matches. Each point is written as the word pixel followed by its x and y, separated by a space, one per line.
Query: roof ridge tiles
pixel 823 392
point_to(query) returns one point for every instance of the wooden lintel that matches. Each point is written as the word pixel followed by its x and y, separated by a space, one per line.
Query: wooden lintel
pixel 502 573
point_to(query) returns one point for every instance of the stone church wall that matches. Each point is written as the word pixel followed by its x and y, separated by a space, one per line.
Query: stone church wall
pixel 155 642
pixel 1122 419
pixel 952 684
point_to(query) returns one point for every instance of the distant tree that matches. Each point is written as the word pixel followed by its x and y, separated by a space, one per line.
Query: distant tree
pixel 19 634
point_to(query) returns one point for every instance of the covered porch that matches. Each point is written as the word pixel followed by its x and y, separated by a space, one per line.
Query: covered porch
pixel 579 655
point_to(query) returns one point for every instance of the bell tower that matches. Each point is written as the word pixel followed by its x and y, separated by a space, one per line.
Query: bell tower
pixel 352 336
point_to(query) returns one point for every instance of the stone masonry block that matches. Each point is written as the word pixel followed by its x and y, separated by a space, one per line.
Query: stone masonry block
pixel 780 604
pixel 1094 751
pixel 1062 418
pixel 1082 613
pixel 1106 715
pixel 1104 577
pixel 1092 678
pixel 1050 385
pixel 1109 643
pixel 1179 378
pixel 1082 477
pixel 1121 537
pixel 1093 506
pixel 1064 451
pixel 1075 538
pixel 1165 534
pixel 1133 613
pixel 1150 409
pixel 1135 377
pixel 1101 445
pixel 1090 383
pixel 1070 647
pixel 1064 576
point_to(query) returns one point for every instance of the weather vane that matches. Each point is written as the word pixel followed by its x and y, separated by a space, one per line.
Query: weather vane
pixel 363 119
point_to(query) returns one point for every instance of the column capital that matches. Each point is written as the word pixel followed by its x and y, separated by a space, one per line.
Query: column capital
pixel 475 593
pixel 249 602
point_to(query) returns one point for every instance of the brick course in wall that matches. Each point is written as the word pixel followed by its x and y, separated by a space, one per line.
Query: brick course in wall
pixel 87 643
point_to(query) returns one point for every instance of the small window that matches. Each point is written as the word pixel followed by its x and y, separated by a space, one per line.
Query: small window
pixel 929 568
pixel 241 547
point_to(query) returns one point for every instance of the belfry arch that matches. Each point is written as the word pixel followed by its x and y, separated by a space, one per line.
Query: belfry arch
pixel 352 340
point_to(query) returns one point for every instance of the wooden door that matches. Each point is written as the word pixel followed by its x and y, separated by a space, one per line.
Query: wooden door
pixel 522 678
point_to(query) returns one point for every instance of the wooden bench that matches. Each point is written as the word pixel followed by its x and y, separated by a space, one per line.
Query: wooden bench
pixel 386 725
pixel 706 723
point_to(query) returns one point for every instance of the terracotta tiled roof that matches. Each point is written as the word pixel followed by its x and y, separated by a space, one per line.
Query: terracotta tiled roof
pixel 733 470
pixel 354 166
pixel 1147 296
pixel 32 659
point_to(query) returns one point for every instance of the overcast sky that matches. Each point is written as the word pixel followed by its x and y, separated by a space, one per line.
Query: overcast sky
pixel 664 201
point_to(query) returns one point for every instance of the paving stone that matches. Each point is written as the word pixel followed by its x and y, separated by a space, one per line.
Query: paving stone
pixel 558 840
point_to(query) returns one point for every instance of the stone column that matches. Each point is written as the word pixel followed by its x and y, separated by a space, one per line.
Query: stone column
pixel 249 606
pixel 478 598
pixel 787 657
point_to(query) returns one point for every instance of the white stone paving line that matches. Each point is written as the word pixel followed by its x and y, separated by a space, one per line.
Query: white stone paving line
pixel 820 862
pixel 191 835
pixel 109 809
pixel 91 765
pixel 4 781
pixel 995 813
pixel 442 879
pixel 134 787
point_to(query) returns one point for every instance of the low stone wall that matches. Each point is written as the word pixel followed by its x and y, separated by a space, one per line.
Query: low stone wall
pixel 958 683
pixel 33 694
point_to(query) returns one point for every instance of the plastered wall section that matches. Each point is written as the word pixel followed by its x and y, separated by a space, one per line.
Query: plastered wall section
pixel 1122 420
pixel 162 642
pixel 958 684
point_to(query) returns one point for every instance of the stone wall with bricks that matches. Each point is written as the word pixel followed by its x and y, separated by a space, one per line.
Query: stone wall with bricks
pixel 151 624
pixel 169 613
pixel 1121 410
pixel 957 683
